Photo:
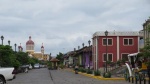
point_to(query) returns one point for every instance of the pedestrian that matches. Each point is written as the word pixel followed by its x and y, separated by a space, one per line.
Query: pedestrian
pixel 26 70
pixel 76 69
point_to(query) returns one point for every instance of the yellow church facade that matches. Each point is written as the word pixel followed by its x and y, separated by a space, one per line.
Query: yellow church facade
pixel 39 55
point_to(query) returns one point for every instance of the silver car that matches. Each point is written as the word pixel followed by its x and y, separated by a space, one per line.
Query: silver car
pixel 36 66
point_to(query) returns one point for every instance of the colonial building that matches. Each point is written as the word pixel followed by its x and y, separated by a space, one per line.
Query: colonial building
pixel 146 29
pixel 39 55
pixel 117 46
pixel 81 57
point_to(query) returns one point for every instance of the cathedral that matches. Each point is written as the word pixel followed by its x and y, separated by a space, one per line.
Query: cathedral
pixel 30 49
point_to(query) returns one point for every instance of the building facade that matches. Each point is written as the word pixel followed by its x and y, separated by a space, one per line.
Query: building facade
pixel 117 46
pixel 39 55
pixel 30 46
pixel 146 30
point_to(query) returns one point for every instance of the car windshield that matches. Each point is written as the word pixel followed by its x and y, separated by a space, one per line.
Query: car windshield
pixel 36 65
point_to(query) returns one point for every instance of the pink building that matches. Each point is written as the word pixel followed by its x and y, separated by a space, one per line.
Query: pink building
pixel 119 45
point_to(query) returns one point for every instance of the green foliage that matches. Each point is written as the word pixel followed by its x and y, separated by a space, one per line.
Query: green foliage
pixel 82 70
pixel 61 66
pixel 89 71
pixel 6 56
pixel 49 64
pixel 9 58
pixel 109 62
pixel 16 63
pixel 146 50
pixel 107 75
pixel 123 61
pixel 32 61
pixel 60 58
pixel 119 62
pixel 97 73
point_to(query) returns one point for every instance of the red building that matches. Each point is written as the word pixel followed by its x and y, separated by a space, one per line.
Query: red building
pixel 119 45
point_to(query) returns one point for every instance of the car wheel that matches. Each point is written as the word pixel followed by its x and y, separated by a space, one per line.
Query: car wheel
pixel 2 81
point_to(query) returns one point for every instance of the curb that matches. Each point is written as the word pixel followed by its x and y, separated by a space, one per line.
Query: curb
pixel 98 77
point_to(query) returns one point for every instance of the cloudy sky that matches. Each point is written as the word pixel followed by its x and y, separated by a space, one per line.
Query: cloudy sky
pixel 62 25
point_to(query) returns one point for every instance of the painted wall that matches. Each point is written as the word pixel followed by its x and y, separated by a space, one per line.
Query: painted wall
pixel 113 48
pixel 110 49
pixel 128 49
pixel 88 62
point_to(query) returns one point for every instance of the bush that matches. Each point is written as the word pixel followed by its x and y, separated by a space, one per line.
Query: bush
pixel 80 69
pixel 83 70
pixel 107 75
pixel 61 66
pixel 88 71
pixel 97 73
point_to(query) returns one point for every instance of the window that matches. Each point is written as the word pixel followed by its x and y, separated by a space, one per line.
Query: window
pixel 109 41
pixel 109 57
pixel 125 57
pixel 128 41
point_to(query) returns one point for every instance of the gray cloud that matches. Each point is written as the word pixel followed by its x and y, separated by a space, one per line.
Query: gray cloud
pixel 65 24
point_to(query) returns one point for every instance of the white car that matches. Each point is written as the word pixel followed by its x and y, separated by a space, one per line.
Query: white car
pixel 6 74
pixel 36 66
pixel 30 66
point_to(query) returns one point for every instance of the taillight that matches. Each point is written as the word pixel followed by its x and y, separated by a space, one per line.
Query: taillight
pixel 14 71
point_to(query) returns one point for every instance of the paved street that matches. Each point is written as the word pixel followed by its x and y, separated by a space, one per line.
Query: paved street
pixel 43 76
pixel 35 76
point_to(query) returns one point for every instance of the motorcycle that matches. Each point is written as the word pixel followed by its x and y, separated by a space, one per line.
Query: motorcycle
pixel 76 71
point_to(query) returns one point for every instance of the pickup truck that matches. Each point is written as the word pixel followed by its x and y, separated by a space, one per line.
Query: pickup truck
pixel 6 74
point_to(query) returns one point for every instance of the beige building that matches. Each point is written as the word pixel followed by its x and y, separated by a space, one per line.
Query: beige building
pixel 39 55
pixel 146 30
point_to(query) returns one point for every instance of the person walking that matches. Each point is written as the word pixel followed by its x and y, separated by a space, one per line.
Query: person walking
pixel 76 69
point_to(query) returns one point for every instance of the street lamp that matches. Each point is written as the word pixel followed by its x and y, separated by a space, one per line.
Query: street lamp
pixel 9 42
pixel 83 58
pixel 49 56
pixel 83 45
pixel 15 46
pixel 74 58
pixel 78 47
pixel 2 38
pixel 89 53
pixel 106 34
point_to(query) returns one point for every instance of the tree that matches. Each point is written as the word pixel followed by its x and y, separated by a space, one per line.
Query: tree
pixel 22 57
pixel 7 57
pixel 60 58
pixel 32 61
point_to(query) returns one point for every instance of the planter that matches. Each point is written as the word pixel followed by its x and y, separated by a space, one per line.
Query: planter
pixel 97 73
pixel 89 71
pixel 107 75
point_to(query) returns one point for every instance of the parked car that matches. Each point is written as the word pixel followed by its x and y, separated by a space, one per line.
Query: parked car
pixel 37 66
pixel 30 67
pixel 6 74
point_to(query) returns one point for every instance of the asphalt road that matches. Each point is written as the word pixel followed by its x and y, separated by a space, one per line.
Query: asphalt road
pixel 45 76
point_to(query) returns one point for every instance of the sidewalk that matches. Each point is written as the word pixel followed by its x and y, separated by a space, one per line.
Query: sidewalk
pixel 97 77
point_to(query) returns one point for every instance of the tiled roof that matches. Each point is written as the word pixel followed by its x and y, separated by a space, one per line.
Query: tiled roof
pixel 54 60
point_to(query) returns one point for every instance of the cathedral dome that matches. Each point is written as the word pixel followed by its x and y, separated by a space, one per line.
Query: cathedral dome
pixel 29 42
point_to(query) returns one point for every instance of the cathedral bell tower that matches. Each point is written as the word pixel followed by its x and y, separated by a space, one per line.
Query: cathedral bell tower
pixel 42 49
